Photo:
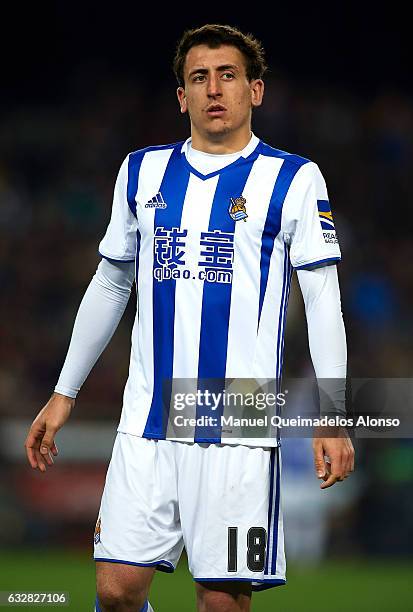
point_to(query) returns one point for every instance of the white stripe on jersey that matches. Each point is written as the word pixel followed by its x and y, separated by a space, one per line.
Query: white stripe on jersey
pixel 246 276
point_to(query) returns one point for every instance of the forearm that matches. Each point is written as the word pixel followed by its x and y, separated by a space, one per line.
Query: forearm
pixel 98 316
pixel 326 333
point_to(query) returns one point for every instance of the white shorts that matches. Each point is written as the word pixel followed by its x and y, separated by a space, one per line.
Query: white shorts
pixel 221 502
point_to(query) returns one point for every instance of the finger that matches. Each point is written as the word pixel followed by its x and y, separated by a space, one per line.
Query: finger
pixel 319 463
pixel 338 462
pixel 48 458
pixel 31 457
pixel 345 463
pixel 40 462
pixel 32 443
pixel 352 456
pixel 328 470
pixel 54 449
pixel 349 467
pixel 332 479
pixel 334 475
pixel 47 441
pixel 352 462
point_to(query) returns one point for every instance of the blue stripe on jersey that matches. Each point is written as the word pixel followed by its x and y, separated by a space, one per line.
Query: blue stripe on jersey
pixel 283 309
pixel 216 302
pixel 273 220
pixel 97 605
pixel 138 250
pixel 276 516
pixel 281 318
pixel 266 149
pixel 270 496
pixel 134 165
pixel 289 277
pixel 173 188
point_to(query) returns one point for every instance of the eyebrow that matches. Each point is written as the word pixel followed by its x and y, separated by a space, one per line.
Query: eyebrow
pixel 219 68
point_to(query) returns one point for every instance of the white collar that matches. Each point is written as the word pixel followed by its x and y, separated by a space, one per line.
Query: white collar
pixel 244 153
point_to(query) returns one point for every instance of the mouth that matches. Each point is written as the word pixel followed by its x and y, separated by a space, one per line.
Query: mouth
pixel 216 110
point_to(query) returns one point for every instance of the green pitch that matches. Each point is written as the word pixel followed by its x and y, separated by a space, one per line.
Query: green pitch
pixel 339 586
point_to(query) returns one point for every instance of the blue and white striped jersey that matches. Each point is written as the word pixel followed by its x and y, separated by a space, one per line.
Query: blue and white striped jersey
pixel 214 258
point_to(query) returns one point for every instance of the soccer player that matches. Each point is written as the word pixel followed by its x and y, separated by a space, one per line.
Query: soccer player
pixel 211 230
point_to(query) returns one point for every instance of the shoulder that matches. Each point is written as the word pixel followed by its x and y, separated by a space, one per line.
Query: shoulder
pixel 304 170
pixel 290 158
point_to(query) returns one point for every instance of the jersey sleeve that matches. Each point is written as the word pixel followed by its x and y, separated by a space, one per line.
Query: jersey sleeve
pixel 120 240
pixel 307 222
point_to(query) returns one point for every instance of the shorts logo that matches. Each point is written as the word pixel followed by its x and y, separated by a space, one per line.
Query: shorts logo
pixel 325 215
pixel 97 532
pixel 156 202
pixel 237 209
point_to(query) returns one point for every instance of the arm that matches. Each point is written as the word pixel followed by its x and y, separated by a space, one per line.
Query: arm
pixel 98 316
pixel 333 456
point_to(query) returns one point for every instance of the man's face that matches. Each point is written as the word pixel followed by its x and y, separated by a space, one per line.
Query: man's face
pixel 217 93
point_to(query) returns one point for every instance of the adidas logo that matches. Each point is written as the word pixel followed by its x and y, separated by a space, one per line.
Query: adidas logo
pixel 156 202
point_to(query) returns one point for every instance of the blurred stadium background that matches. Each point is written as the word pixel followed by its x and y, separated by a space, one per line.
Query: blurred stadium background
pixel 82 86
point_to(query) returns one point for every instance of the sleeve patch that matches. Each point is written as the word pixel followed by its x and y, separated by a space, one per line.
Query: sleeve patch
pixel 325 215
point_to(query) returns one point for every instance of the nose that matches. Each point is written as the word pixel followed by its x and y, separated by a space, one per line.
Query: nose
pixel 214 89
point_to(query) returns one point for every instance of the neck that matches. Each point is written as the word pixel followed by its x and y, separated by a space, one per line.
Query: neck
pixel 220 144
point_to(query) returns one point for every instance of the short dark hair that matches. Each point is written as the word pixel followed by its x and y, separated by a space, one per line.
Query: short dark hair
pixel 215 35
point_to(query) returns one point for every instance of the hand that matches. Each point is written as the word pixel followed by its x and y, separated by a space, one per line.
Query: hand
pixel 40 444
pixel 333 455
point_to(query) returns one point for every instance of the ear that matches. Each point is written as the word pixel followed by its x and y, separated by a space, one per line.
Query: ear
pixel 257 92
pixel 180 92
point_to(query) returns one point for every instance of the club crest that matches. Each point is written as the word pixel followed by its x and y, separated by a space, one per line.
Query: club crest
pixel 237 208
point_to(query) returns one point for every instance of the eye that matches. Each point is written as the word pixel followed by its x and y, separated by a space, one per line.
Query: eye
pixel 198 78
pixel 228 76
